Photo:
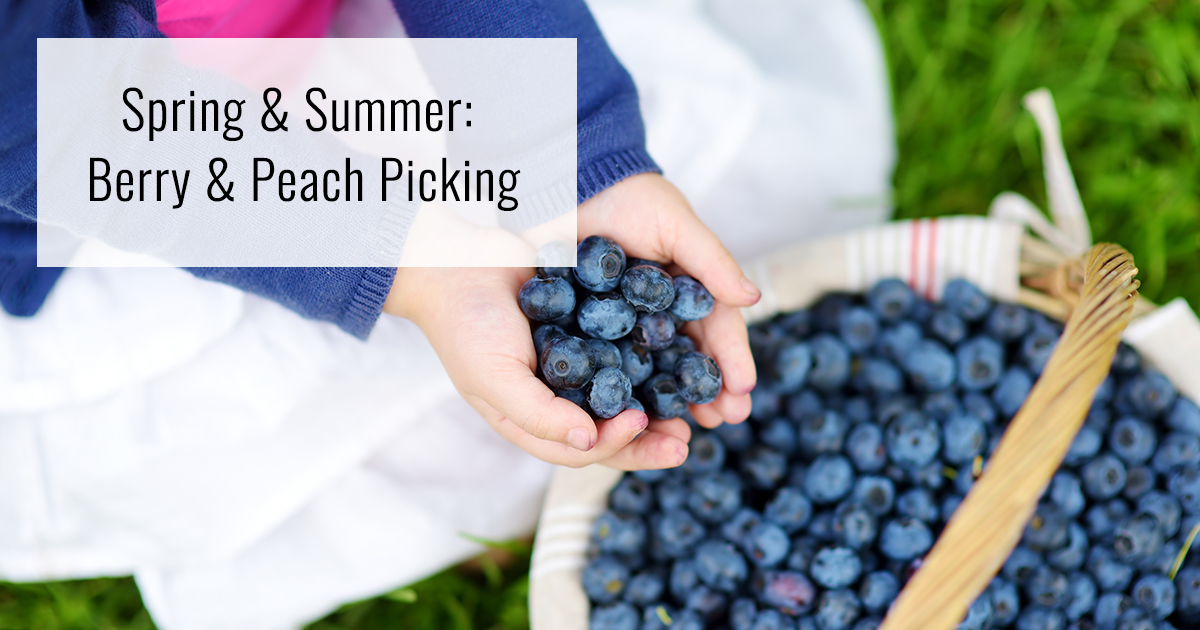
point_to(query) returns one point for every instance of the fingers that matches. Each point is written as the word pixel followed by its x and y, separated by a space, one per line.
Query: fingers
pixel 699 252
pixel 525 401
pixel 724 335
pixel 652 451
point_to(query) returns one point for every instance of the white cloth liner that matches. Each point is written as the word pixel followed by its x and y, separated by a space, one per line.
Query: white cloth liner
pixel 255 470
pixel 924 253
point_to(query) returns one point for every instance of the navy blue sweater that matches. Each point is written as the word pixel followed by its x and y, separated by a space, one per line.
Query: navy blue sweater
pixel 611 138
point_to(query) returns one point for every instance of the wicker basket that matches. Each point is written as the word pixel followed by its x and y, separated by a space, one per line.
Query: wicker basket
pixel 1053 270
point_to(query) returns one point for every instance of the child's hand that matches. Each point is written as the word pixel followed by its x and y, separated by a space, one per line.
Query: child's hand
pixel 472 319
pixel 650 219
pixel 484 341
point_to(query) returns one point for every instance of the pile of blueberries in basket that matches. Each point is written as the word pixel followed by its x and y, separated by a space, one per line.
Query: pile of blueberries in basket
pixel 609 325
pixel 873 417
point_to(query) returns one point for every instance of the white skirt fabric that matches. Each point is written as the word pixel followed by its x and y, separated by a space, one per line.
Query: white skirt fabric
pixel 253 469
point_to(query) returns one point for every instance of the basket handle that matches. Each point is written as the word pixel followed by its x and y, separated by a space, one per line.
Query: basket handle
pixel 992 517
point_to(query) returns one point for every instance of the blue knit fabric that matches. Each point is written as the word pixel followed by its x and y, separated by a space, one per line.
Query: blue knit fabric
pixel 611 138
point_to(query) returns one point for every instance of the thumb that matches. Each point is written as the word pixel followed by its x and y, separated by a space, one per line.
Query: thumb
pixel 700 253
pixel 529 404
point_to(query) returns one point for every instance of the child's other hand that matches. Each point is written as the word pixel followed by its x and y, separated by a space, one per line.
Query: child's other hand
pixel 650 219
pixel 472 319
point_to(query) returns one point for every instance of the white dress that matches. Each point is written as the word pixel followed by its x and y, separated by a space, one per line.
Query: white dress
pixel 222 449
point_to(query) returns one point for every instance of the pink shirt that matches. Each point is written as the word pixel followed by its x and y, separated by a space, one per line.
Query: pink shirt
pixel 245 18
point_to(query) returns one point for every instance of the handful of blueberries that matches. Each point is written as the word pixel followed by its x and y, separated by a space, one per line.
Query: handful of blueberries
pixel 873 417
pixel 609 325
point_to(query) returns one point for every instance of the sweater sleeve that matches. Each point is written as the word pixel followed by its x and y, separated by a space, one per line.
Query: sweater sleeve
pixel 611 140
pixel 351 298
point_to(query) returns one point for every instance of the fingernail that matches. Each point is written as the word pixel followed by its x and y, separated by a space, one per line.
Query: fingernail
pixel 577 439
pixel 641 422
pixel 750 289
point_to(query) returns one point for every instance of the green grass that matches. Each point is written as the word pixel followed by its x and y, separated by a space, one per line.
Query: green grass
pixel 1126 77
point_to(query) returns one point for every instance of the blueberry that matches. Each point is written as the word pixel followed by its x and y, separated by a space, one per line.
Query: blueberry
pixel 604 578
pixel 577 396
pixel 803 550
pixel 1137 537
pixel 566 273
pixel 1138 481
pixel 779 434
pixel 567 363
pixel 854 526
pixel 610 392
pixel 1150 393
pixel 1135 619
pixel 1081 595
pixel 644 588
pixel 655 331
pixel 837 610
pixel 708 603
pixel 1165 509
pixel 623 534
pixel 966 300
pixel 930 476
pixel 545 334
pixel 858 328
pixel 918 503
pixel 1187 602
pixel 877 590
pixel 692 300
pixel 763 467
pixel 950 503
pixel 1132 440
pixel 1102 520
pixel 764 404
pixel 636 361
pixel 715 497
pixel 1156 595
pixel 1111 574
pixel 658 616
pixel 720 566
pixel 1012 390
pixel 789 591
pixel 830 478
pixel 546 299
pixel 905 538
pixel 942 406
pixel 599 263
pixel 677 532
pixel 1037 347
pixel 831 363
pixel 868 623
pixel 930 367
pixel 706 454
pixel 1047 530
pixel 1007 322
pixel 865 447
pixel 766 544
pixel 684 577
pixel 772 620
pixel 875 493
pixel 631 495
pixel 1103 477
pixel 737 437
pixel 742 613
pixel 635 404
pixel 734 529
pixel 892 407
pixel 964 438
pixel 947 327
pixel 1040 618
pixel 1176 450
pixel 605 353
pixel 1084 447
pixel 1184 483
pixel 790 365
pixel 823 432
pixel 828 309
pixel 980 406
pixel 649 289
pixel 606 316
pixel 1184 416
pixel 980 363
pixel 979 615
pixel 1021 564
pixel 671 495
pixel 1046 587
pixel 803 404
pixel 1109 609
pixel 913 440
pixel 618 616
pixel 890 299
pixel 895 342
pixel 698 378
pixel 878 377
pixel 1066 491
pixel 790 509
pixel 661 396
pixel 821 527
pixel 835 567
pixel 1006 602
